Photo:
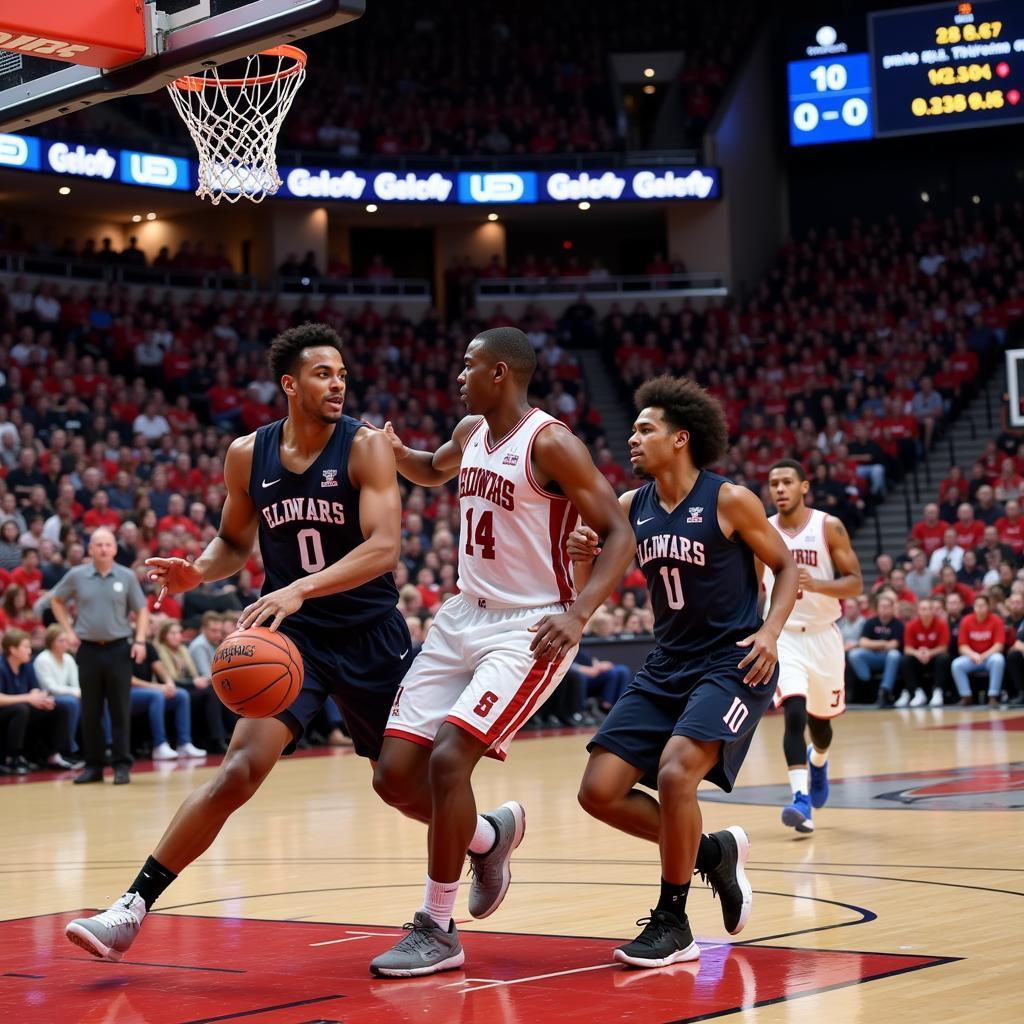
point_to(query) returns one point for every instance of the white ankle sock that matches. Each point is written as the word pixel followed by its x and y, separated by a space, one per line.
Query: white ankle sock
pixel 818 759
pixel 439 901
pixel 483 837
pixel 798 780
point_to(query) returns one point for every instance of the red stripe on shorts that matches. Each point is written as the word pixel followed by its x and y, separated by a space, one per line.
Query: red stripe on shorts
pixel 522 695
pixel 529 706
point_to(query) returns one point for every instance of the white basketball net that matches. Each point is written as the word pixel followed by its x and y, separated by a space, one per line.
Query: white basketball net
pixel 234 122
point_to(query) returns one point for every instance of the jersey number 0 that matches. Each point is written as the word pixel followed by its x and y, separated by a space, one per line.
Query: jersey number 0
pixel 311 550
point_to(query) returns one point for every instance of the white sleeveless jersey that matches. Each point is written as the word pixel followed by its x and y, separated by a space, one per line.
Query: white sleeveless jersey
pixel 809 549
pixel 512 533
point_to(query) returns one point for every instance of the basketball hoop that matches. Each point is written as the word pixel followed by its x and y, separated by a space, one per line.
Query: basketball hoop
pixel 234 122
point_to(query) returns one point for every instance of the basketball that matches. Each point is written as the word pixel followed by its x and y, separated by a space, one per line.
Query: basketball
pixel 257 673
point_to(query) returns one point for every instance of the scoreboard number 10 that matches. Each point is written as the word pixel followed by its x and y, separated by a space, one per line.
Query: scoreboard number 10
pixel 829 77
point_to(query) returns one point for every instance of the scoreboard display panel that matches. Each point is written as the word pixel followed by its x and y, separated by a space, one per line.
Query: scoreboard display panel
pixel 948 66
pixel 916 69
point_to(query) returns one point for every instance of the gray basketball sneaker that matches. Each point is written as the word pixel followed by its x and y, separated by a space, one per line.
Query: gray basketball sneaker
pixel 426 949
pixel 110 934
pixel 491 871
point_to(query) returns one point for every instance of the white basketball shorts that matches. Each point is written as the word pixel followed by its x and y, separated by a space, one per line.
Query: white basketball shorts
pixel 812 665
pixel 476 670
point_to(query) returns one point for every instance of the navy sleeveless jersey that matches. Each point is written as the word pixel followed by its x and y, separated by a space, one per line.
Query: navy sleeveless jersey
pixel 310 520
pixel 703 586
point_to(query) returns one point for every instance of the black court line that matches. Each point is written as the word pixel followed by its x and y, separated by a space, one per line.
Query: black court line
pixel 16 974
pixel 263 1009
pixel 886 878
pixel 935 962
pixel 865 916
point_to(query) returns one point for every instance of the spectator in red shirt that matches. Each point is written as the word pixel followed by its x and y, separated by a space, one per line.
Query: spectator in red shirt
pixel 255 412
pixel 898 582
pixel 1011 528
pixel 225 402
pixel 969 531
pixel 949 584
pixel 1009 485
pixel 955 481
pixel 610 469
pixel 18 611
pixel 928 533
pixel 925 653
pixel 28 575
pixel 981 640
pixel 175 516
pixel 100 514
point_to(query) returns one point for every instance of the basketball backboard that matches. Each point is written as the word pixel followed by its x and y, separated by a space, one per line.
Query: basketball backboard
pixel 181 36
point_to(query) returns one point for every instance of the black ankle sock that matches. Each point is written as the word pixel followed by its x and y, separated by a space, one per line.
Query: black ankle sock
pixel 673 898
pixel 709 854
pixel 497 834
pixel 151 881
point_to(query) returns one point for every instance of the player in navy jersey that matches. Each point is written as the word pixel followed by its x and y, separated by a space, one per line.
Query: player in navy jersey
pixel 691 711
pixel 321 492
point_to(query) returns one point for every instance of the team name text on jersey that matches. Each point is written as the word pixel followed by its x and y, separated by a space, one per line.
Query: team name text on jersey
pixel 313 510
pixel 475 481
pixel 670 545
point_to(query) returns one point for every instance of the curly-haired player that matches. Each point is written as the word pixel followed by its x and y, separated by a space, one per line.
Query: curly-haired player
pixel 691 711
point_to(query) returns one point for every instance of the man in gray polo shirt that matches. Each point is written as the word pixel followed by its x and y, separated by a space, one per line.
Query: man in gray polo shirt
pixel 104 593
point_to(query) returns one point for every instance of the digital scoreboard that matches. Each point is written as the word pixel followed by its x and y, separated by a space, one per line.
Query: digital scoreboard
pixel 919 69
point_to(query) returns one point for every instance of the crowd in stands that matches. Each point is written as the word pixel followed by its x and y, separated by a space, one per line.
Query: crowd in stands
pixel 955 591
pixel 116 409
pixel 510 80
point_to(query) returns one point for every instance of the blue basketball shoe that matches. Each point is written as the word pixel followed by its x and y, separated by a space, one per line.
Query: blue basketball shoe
pixel 798 814
pixel 817 781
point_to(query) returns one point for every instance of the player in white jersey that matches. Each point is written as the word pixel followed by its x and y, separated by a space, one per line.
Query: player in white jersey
pixel 812 663
pixel 499 648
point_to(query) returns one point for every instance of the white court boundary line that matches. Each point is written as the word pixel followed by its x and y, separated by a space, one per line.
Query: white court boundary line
pixel 479 984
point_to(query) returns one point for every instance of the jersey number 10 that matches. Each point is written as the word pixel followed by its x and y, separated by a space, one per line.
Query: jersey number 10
pixel 673 588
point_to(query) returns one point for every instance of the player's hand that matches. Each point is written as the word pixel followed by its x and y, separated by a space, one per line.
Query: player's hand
pixel 805 581
pixel 396 442
pixel 271 609
pixel 924 655
pixel 174 576
pixel 556 635
pixel 761 658
pixel 583 544
pixel 74 641
pixel 138 651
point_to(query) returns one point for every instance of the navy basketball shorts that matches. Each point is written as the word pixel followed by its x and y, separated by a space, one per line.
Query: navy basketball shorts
pixel 703 698
pixel 361 669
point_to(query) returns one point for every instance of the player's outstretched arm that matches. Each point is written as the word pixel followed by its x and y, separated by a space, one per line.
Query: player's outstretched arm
pixel 562 459
pixel 228 552
pixel 431 469
pixel 741 514
pixel 848 583
pixel 372 469
pixel 584 545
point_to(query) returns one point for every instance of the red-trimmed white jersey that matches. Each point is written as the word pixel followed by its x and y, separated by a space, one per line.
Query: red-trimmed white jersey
pixel 512 533
pixel 809 549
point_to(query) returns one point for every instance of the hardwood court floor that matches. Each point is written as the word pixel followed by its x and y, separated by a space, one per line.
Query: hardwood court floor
pixel 905 905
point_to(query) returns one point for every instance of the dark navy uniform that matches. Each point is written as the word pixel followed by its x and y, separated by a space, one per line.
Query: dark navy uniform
pixel 355 645
pixel 704 593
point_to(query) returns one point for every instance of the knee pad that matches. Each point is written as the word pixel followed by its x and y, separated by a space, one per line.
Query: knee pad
pixel 821 732
pixel 794 745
